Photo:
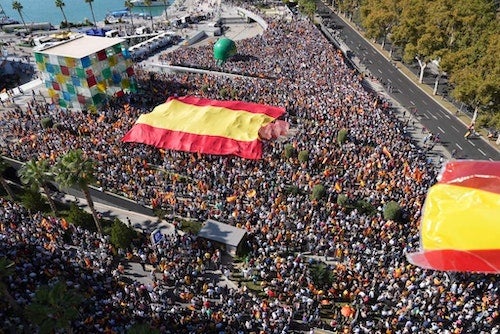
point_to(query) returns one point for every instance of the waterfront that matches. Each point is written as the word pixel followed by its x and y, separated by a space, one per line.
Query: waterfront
pixel 75 10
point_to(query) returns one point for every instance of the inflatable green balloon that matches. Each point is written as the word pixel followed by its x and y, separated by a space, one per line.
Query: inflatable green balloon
pixel 223 49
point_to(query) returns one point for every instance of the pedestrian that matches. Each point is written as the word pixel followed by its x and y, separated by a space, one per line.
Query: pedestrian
pixel 143 257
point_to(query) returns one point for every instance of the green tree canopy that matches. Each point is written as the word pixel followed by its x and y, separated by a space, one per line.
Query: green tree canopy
pixel 38 174
pixel 379 16
pixel 4 165
pixel 60 4
pixel 92 11
pixel 54 308
pixel 121 235
pixel 76 169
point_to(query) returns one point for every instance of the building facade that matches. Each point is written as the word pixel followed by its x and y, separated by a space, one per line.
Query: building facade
pixel 84 71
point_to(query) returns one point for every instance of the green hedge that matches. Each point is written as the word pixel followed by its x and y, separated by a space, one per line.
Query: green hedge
pixel 318 192
pixel 342 136
pixel 392 211
pixel 290 151
pixel 303 156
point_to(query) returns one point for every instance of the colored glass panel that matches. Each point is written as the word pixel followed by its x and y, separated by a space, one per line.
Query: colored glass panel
pixel 130 71
pixel 106 73
pixel 81 72
pixel 86 61
pixel 71 88
pixel 91 81
pixel 64 70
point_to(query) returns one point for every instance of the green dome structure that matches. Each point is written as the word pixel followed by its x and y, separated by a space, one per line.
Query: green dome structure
pixel 223 49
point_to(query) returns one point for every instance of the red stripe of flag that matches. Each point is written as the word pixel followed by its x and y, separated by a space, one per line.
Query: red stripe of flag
pixel 255 108
pixel 183 141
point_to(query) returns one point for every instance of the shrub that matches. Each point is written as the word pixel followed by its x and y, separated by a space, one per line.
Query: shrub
pixel 342 200
pixel 303 156
pixel 121 234
pixel 322 275
pixel 290 151
pixel 79 217
pixel 33 200
pixel 224 93
pixel 392 211
pixel 47 122
pixel 293 189
pixel 58 126
pixel 191 226
pixel 318 192
pixel 365 207
pixel 342 136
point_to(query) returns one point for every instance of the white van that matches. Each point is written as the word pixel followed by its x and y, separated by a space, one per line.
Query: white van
pixel 112 33
pixel 141 30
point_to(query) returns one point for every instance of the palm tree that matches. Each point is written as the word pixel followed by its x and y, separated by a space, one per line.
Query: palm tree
pixel 60 4
pixel 92 10
pixel 7 269
pixel 3 167
pixel 54 308
pixel 75 169
pixel 37 174
pixel 129 4
pixel 165 6
pixel 16 5
pixel 148 3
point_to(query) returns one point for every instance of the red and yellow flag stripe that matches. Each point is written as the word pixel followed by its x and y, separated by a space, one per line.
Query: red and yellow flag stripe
pixel 206 126
pixel 460 226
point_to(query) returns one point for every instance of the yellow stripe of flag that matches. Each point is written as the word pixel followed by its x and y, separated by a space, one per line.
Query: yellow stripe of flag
pixel 175 115
pixel 460 218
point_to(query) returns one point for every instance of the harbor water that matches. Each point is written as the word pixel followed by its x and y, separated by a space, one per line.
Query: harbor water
pixel 76 10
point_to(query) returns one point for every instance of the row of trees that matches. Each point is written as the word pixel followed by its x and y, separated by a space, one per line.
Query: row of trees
pixel 461 37
pixel 72 169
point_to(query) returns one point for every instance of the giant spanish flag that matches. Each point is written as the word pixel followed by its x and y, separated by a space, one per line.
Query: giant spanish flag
pixel 460 225
pixel 201 125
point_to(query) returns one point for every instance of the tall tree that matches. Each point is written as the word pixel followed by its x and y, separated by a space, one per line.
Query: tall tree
pixel 92 10
pixel 3 167
pixel 130 5
pixel 149 3
pixel 349 7
pixel 165 6
pixel 75 169
pixel 308 7
pixel 60 4
pixel 7 269
pixel 378 17
pixel 54 308
pixel 16 5
pixel 472 30
pixel 477 84
pixel 421 41
pixel 38 174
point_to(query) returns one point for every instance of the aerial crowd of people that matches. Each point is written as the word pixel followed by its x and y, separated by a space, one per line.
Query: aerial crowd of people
pixel 290 65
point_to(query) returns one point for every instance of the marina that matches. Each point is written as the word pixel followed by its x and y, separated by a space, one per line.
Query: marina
pixel 142 3
pixel 4 19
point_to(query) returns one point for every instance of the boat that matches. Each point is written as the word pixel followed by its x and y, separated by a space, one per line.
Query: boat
pixel 119 13
pixel 4 19
pixel 154 3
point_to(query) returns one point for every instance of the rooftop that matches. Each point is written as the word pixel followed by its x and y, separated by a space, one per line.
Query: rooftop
pixel 221 232
pixel 81 46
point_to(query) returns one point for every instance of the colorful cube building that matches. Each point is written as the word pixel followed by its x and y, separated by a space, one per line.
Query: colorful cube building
pixel 83 71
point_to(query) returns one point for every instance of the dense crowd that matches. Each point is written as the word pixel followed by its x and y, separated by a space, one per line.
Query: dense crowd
pixel 292 65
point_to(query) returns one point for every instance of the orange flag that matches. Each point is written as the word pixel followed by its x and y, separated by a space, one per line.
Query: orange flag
pixel 386 152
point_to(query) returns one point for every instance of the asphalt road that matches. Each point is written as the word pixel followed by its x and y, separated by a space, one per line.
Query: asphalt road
pixel 429 112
